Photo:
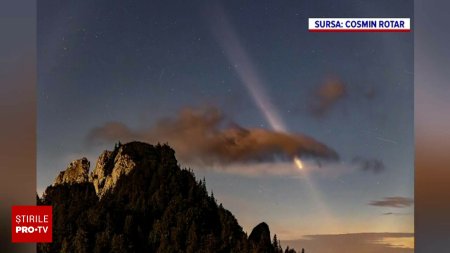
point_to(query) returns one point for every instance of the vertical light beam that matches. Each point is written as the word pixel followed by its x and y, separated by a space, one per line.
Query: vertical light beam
pixel 238 57
pixel 245 69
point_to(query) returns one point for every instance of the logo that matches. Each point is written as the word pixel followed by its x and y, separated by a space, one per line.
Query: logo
pixel 31 224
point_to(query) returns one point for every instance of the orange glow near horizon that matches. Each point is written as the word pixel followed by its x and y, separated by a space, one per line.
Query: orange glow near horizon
pixel 398 242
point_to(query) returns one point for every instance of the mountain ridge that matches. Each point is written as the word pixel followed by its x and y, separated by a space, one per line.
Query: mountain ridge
pixel 137 199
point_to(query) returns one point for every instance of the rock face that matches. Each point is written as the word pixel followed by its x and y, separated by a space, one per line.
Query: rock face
pixel 98 175
pixel 76 172
pixel 111 165
pixel 260 239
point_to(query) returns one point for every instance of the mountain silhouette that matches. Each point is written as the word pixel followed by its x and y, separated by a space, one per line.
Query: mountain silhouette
pixel 138 199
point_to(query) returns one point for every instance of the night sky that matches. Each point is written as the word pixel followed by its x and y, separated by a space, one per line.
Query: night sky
pixel 127 65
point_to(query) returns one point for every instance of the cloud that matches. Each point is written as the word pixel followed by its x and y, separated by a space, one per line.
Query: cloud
pixel 396 202
pixel 285 169
pixel 328 94
pixel 369 165
pixel 206 137
pixel 391 213
pixel 356 242
pixel 279 169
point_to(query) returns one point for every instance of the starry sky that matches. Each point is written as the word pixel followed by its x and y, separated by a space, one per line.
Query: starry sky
pixel 118 70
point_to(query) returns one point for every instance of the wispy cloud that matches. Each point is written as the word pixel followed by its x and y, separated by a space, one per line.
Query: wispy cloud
pixel 392 213
pixel 327 95
pixel 283 169
pixel 375 166
pixel 396 202
pixel 355 243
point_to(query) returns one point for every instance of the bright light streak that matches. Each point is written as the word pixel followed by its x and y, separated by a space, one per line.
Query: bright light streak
pixel 244 67
pixel 248 75
pixel 298 163
pixel 246 70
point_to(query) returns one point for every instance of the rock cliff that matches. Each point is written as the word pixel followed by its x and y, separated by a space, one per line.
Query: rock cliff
pixel 76 172
pixel 260 238
pixel 111 165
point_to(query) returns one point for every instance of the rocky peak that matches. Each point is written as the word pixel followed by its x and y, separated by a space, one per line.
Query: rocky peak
pixel 76 172
pixel 260 238
pixel 111 165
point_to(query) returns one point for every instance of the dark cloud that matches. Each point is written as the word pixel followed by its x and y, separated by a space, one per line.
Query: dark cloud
pixel 397 202
pixel 327 95
pixel 356 242
pixel 391 213
pixel 206 137
pixel 369 165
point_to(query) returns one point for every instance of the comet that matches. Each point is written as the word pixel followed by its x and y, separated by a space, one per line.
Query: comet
pixel 254 84
pixel 298 163
pixel 247 73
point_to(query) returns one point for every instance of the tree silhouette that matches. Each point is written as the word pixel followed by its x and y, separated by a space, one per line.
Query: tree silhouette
pixel 157 207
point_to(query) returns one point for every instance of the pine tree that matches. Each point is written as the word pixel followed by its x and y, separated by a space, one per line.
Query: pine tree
pixel 212 196
pixel 275 242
